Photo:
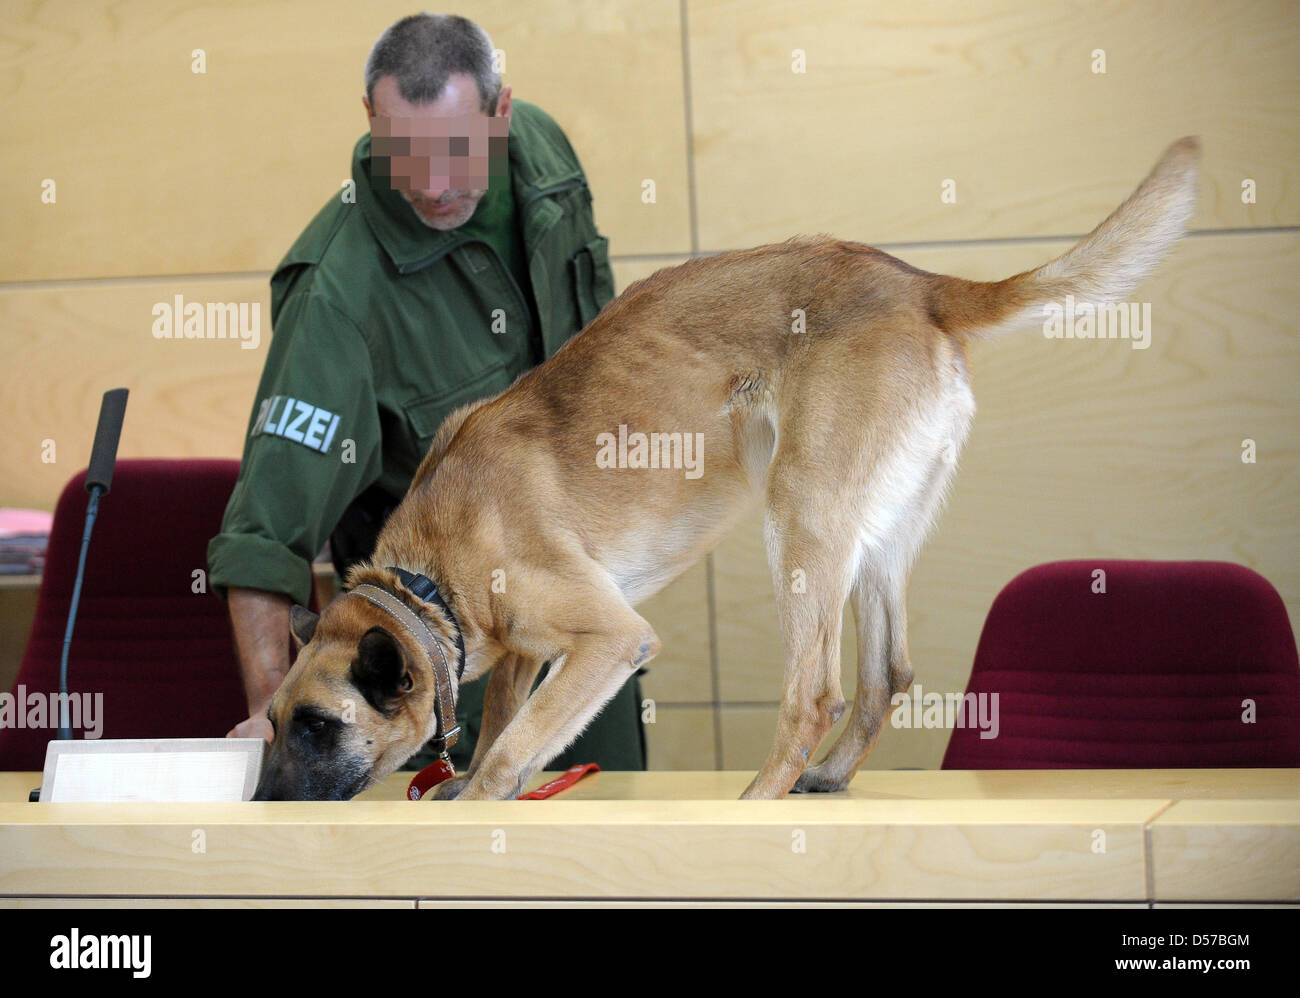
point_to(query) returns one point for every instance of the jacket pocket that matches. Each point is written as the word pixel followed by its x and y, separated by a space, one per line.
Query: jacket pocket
pixel 592 277
pixel 425 414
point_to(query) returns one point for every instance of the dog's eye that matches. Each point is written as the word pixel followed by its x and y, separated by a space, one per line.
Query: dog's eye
pixel 315 725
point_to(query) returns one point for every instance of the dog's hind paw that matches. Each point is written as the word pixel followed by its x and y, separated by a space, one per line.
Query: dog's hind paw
pixel 814 781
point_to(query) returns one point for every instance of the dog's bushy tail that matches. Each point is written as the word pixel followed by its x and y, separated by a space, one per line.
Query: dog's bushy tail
pixel 1103 267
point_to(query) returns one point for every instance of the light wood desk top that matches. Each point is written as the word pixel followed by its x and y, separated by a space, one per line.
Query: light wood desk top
pixel 880 784
pixel 895 835
pixel 926 784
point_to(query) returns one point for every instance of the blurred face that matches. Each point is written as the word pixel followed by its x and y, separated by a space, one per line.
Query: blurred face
pixel 439 156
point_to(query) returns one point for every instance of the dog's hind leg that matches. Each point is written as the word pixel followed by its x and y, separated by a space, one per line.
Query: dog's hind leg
pixel 884 668
pixel 880 606
pixel 812 569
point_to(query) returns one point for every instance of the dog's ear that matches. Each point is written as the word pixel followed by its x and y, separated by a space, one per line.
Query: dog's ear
pixel 380 671
pixel 302 623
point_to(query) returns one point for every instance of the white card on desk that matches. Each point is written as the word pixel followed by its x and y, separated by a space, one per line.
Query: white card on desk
pixel 152 769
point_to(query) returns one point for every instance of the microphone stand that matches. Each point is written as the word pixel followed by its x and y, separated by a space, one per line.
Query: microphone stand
pixel 99 479
pixel 92 509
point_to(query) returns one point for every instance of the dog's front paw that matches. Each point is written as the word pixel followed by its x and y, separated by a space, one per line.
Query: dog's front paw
pixel 449 789
pixel 815 780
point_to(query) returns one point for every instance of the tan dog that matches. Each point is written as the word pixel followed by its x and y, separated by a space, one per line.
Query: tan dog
pixel 847 429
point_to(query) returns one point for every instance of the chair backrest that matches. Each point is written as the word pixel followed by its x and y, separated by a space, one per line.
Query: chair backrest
pixel 160 652
pixel 1135 664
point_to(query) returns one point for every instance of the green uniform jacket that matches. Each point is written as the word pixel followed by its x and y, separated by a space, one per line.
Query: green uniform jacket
pixel 382 326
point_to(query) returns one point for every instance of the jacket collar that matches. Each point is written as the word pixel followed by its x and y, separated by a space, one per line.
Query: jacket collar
pixel 408 242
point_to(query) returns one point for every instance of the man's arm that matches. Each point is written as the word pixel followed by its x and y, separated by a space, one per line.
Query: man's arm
pixel 261 625
pixel 296 479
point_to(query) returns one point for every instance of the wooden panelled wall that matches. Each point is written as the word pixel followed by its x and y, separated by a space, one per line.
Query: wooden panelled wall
pixel 171 182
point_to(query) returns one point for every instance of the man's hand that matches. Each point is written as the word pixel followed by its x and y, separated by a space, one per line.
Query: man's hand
pixel 261 624
pixel 256 726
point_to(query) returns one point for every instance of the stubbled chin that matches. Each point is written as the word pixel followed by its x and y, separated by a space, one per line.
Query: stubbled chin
pixel 448 220
pixel 443 224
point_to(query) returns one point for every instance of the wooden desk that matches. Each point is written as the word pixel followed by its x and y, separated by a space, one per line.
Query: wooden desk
pixel 895 837
pixel 1259 838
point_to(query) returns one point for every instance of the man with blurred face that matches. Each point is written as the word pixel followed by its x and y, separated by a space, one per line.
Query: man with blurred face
pixel 439 155
pixel 425 284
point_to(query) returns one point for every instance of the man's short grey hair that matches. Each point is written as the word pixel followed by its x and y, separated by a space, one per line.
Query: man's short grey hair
pixel 422 50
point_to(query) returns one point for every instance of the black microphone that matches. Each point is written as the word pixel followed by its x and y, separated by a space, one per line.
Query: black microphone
pixel 103 455
pixel 99 477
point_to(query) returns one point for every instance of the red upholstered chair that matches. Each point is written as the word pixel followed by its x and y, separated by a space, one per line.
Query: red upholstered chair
pixel 162 655
pixel 1150 674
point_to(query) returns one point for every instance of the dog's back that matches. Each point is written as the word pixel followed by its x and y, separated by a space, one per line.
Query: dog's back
pixel 812 340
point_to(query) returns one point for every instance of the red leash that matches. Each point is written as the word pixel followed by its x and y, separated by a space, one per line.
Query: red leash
pixel 562 782
pixel 430 776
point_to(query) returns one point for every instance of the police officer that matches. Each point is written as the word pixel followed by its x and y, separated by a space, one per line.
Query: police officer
pixel 454 260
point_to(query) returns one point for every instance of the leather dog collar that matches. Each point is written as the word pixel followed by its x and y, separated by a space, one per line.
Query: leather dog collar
pixel 446 731
pixel 426 589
